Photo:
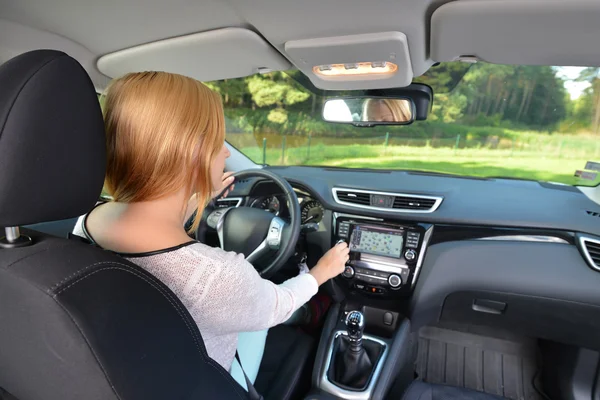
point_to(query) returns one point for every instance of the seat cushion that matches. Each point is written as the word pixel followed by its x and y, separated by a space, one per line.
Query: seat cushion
pixel 426 391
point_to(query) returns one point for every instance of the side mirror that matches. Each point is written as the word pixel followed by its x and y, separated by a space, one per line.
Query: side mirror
pixel 369 111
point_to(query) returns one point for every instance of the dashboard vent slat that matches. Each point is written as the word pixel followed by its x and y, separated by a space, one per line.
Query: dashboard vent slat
pixel 355 198
pixel 391 202
pixel 591 250
pixel 413 203
pixel 229 202
pixel 595 256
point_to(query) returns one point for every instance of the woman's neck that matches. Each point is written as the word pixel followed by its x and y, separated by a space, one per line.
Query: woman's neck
pixel 140 227
pixel 168 210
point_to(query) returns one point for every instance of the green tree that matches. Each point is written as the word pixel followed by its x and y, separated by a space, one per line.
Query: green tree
pixel 276 90
pixel 592 75
pixel 520 95
pixel 448 107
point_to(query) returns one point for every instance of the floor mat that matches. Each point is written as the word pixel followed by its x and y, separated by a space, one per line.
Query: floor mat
pixel 487 361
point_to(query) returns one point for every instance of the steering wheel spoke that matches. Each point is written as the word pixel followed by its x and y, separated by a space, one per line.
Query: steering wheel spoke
pixel 215 218
pixel 274 236
pixel 272 242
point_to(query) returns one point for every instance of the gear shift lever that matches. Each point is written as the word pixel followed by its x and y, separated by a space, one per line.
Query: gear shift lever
pixel 355 324
pixel 353 365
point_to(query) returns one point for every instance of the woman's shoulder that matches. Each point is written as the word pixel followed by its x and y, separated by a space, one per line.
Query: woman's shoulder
pixel 192 253
pixel 202 251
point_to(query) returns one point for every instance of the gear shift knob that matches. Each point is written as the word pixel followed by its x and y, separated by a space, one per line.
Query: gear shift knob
pixel 355 324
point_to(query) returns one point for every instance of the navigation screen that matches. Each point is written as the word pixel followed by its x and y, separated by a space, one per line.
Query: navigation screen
pixel 378 241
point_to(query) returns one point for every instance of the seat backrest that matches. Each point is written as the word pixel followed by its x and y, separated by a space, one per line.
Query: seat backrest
pixel 77 322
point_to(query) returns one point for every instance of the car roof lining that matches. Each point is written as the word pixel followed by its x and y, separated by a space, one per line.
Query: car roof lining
pixel 557 33
pixel 217 54
pixel 561 33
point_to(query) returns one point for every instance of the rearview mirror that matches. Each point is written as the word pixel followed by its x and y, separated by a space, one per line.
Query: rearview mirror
pixel 369 111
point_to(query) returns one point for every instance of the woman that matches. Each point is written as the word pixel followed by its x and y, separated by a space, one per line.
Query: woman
pixel 386 110
pixel 165 136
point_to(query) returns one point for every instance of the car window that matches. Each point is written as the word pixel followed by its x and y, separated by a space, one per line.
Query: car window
pixel 530 122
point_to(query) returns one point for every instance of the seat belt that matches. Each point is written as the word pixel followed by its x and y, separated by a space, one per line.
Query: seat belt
pixel 251 389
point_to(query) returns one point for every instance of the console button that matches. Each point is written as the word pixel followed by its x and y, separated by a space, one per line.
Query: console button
pixel 369 279
pixel 359 286
pixel 348 272
pixel 410 255
pixel 384 275
pixel 382 201
pixel 395 281
pixel 404 274
pixel 374 290
pixel 388 318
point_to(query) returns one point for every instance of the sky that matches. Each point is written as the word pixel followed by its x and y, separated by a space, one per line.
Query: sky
pixel 574 88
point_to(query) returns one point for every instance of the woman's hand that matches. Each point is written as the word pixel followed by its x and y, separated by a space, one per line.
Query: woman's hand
pixel 331 264
pixel 225 182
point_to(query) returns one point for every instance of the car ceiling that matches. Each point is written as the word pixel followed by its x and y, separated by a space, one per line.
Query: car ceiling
pixel 89 29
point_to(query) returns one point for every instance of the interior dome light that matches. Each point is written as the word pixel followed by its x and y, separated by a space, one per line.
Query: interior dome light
pixel 371 70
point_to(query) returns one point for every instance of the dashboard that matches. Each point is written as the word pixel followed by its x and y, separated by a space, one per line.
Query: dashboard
pixel 512 254
pixel 311 210
pixel 267 196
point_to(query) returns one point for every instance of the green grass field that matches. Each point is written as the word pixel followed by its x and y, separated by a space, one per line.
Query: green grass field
pixel 554 159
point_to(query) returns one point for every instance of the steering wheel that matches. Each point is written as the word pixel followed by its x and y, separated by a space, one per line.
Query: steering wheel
pixel 256 233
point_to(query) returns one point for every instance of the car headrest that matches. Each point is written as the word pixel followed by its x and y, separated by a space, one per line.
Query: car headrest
pixel 52 142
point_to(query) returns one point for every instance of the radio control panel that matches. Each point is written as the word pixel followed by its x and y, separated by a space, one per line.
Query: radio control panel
pixel 385 257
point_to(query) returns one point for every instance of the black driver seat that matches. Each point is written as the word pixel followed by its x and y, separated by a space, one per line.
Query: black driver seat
pixel 77 322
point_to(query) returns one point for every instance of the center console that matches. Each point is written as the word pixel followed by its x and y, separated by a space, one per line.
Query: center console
pixel 366 346
pixel 385 257
pixel 355 363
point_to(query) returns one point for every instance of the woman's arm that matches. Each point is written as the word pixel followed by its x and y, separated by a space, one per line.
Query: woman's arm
pixel 224 293
pixel 239 300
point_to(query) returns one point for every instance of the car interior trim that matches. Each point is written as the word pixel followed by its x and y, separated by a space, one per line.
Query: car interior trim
pixel 588 258
pixel 239 200
pixel 337 215
pixel 438 200
pixel 330 387
pixel 526 238
pixel 426 238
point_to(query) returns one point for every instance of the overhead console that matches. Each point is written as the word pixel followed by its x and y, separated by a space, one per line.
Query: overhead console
pixel 354 62
pixel 385 256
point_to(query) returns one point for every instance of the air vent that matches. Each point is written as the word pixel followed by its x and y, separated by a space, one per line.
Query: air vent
pixel 229 202
pixel 354 197
pixel 591 251
pixel 385 201
pixel 413 203
pixel 593 213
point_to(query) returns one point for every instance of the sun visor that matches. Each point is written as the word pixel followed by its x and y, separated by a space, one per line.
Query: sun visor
pixel 354 62
pixel 207 56
pixel 561 33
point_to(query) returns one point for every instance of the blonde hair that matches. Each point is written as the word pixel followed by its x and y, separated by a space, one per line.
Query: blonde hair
pixel 163 132
pixel 399 108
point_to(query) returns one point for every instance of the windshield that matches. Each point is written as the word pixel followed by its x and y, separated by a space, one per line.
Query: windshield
pixel 529 122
